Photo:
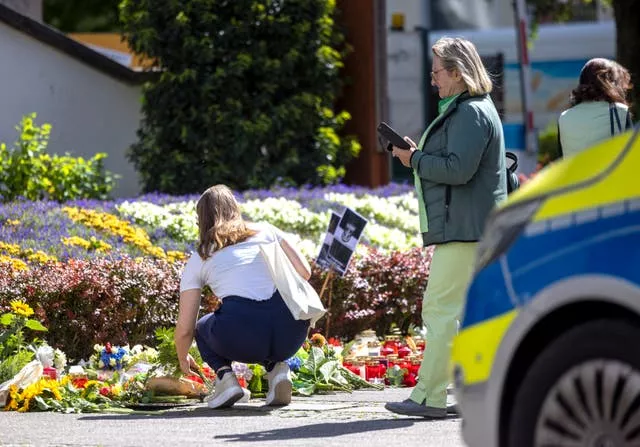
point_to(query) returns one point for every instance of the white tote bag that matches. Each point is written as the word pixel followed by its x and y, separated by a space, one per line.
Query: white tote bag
pixel 301 299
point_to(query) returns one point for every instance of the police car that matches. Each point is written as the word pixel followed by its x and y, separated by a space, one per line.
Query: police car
pixel 548 352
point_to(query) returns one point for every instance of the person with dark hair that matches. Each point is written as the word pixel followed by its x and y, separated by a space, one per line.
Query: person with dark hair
pixel 599 107
pixel 253 324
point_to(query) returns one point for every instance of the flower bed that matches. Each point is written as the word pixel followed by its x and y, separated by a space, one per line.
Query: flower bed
pixel 119 377
pixel 109 270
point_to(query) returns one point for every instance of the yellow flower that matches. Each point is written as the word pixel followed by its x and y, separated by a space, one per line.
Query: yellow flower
pixel 25 406
pixel 52 386
pixel 17 264
pixel 113 225
pixel 40 257
pixel 14 395
pixel 173 256
pixel 12 249
pixel 75 240
pixel 21 308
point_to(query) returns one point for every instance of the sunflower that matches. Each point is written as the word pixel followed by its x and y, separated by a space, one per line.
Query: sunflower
pixel 21 308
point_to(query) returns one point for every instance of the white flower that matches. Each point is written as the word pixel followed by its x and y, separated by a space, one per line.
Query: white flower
pixel 60 359
pixel 45 355
pixel 100 364
pixel 137 349
pixel 112 362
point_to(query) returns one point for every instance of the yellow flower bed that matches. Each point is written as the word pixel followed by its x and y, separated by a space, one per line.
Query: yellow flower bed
pixel 16 264
pixel 91 244
pixel 129 233
pixel 12 250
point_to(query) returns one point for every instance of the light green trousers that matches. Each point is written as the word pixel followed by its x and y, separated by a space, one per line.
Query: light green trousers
pixel 451 269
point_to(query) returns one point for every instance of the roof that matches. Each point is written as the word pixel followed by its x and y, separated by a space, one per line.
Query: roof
pixel 56 39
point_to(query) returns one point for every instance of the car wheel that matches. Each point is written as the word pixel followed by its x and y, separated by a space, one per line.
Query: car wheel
pixel 582 390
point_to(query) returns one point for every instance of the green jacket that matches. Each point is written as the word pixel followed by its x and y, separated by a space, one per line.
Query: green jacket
pixel 462 168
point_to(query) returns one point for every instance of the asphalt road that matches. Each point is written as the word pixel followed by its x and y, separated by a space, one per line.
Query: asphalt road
pixel 329 420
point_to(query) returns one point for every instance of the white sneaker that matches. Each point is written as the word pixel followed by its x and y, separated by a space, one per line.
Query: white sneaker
pixel 226 392
pixel 280 385
pixel 247 395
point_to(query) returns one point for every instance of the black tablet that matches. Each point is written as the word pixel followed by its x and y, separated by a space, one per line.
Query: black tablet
pixel 392 137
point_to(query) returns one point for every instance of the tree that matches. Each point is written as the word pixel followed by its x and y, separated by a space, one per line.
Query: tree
pixel 627 17
pixel 627 14
pixel 245 96
pixel 82 15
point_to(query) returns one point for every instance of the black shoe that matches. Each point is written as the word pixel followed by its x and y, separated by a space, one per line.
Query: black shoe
pixel 453 410
pixel 411 408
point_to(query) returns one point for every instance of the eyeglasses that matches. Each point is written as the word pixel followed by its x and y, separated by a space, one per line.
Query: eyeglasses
pixel 434 73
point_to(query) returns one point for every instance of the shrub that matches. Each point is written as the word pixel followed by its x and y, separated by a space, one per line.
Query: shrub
pixel 84 302
pixel 378 290
pixel 125 300
pixel 548 149
pixel 26 170
pixel 245 96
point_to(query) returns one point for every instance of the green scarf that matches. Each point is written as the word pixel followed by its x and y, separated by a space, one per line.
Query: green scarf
pixel 443 105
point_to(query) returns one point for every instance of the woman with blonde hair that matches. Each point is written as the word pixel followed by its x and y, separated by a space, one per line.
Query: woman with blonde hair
pixel 599 107
pixel 459 168
pixel 253 324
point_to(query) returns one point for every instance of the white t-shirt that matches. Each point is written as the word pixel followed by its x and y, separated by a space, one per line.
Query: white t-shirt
pixel 586 124
pixel 238 269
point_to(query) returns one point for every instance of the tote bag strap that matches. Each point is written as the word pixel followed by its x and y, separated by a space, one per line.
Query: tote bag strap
pixel 628 124
pixel 613 112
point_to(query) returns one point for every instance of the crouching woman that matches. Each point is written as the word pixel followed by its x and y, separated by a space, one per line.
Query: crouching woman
pixel 253 324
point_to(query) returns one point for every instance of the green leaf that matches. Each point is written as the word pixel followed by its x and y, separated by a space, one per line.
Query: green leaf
pixel 315 359
pixel 327 370
pixel 35 325
pixel 7 319
pixel 42 405
pixel 307 390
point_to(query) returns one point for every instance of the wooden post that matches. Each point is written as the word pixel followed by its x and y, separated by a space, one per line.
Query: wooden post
pixel 328 284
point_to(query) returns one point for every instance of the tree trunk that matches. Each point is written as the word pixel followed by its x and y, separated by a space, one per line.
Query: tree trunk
pixel 627 14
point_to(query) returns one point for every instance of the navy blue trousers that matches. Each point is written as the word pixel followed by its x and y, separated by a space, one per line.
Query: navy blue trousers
pixel 249 331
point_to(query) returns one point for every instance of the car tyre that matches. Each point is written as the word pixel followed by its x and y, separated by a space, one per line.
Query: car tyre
pixel 582 390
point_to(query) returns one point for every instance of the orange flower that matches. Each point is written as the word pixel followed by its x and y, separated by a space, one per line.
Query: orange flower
pixel 318 340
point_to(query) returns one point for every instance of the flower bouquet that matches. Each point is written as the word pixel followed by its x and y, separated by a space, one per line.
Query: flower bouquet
pixel 169 380
pixel 109 357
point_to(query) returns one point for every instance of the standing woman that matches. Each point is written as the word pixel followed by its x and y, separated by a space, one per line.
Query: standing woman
pixel 253 324
pixel 460 175
pixel 599 107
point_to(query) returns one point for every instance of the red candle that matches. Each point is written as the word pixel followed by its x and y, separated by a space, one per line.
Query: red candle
pixel 404 351
pixel 415 366
pixel 372 370
pixel 50 372
pixel 390 342
pixel 387 350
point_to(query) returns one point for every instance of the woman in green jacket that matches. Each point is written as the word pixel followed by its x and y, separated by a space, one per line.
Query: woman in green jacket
pixel 460 175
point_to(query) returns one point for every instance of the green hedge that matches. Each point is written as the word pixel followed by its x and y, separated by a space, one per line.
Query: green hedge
pixel 245 96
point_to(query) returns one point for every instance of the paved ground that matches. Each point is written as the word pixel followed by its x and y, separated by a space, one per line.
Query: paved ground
pixel 329 420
